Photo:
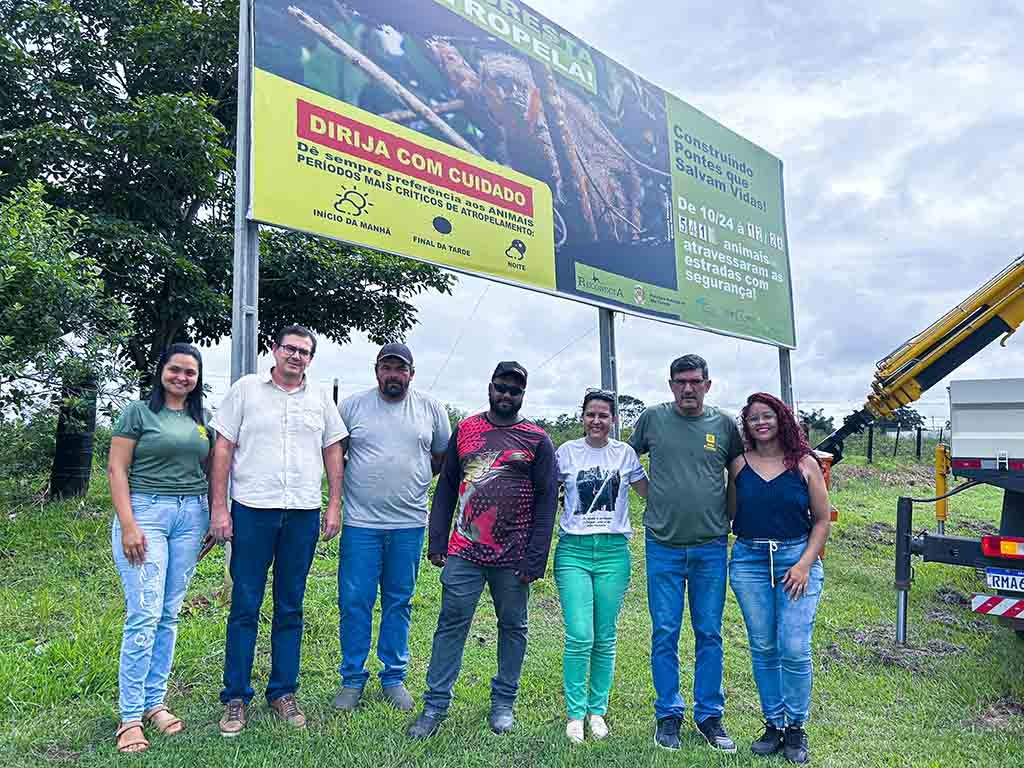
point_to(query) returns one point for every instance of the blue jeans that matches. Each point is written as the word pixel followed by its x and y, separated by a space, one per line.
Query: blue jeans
pixel 174 527
pixel 286 537
pixel 779 628
pixel 462 582
pixel 672 572
pixel 372 557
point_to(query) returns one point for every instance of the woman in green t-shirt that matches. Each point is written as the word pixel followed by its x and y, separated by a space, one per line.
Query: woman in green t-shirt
pixel 157 471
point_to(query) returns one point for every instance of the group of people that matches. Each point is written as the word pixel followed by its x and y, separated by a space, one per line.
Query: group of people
pixel 173 474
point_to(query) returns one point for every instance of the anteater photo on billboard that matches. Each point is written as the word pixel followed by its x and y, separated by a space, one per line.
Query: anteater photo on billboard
pixel 481 136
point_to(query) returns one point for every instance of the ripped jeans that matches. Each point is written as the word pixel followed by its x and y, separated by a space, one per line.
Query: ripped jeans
pixel 174 527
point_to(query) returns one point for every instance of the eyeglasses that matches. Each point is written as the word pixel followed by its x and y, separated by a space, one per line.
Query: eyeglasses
pixel 507 389
pixel 684 383
pixel 765 417
pixel 291 351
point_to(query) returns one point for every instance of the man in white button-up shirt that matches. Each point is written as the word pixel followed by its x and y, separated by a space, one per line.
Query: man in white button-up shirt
pixel 278 432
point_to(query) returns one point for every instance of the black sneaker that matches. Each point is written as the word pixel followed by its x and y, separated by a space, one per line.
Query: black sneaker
pixel 712 730
pixel 794 746
pixel 770 741
pixel 666 735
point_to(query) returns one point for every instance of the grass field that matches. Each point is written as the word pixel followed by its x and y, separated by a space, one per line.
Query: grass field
pixel 955 697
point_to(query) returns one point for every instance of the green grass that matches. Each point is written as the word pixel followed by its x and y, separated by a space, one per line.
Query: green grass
pixel 949 700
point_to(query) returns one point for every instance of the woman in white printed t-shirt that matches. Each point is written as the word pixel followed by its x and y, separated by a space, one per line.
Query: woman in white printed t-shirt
pixel 592 558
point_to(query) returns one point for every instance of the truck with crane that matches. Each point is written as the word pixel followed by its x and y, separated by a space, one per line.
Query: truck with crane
pixel 986 445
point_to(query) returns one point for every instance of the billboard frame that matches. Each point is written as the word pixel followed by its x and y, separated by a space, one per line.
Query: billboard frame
pixel 245 280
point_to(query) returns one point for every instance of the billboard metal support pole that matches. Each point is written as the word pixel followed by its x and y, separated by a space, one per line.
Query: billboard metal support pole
pixel 245 272
pixel 785 377
pixel 245 286
pixel 609 366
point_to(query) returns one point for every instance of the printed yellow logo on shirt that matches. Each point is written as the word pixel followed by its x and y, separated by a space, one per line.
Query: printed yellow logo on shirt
pixel 709 442
pixel 202 432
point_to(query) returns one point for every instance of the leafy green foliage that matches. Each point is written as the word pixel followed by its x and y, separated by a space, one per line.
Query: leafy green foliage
pixel 127 110
pixel 907 418
pixel 630 409
pixel 455 415
pixel 815 420
pixel 55 320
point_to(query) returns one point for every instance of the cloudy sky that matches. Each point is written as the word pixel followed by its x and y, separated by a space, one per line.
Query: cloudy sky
pixel 901 130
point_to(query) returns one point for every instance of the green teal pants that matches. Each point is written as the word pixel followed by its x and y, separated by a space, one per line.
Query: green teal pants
pixel 592 574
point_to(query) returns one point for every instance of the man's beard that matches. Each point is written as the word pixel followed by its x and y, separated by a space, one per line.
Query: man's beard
pixel 504 407
pixel 394 388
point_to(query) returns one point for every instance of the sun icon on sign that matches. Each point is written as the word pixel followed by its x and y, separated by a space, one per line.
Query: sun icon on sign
pixel 352 202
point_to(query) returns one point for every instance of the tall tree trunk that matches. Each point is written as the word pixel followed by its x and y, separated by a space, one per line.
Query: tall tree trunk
pixel 72 458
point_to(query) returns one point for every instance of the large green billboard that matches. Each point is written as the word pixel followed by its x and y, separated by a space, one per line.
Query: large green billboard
pixel 482 136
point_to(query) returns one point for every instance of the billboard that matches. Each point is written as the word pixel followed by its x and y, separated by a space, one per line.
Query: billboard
pixel 481 136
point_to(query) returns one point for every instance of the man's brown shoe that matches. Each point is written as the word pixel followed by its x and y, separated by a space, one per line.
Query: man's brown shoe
pixel 233 722
pixel 288 710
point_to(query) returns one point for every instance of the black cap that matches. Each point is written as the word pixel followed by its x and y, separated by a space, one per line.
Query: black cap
pixel 510 368
pixel 395 349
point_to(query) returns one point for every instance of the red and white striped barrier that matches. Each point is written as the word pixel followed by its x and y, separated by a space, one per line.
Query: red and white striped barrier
pixel 1009 607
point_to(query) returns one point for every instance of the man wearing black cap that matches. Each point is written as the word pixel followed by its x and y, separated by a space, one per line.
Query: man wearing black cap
pixel 397 439
pixel 499 480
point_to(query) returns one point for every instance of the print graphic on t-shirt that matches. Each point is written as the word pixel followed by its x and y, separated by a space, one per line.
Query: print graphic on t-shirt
pixel 596 481
pixel 475 522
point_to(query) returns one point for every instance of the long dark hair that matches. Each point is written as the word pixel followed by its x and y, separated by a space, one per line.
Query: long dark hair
pixel 194 401
pixel 791 437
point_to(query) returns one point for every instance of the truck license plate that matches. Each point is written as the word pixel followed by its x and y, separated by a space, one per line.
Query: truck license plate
pixel 1005 579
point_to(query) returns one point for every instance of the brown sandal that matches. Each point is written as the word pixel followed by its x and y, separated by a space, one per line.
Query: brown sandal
pixel 169 725
pixel 129 747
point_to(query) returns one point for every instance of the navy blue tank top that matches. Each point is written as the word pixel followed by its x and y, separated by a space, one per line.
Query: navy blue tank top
pixel 776 509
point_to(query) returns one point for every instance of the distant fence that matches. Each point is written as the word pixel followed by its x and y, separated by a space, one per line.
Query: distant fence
pixel 890 442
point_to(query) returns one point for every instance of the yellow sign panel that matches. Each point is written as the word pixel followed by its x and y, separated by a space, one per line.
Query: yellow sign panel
pixel 332 169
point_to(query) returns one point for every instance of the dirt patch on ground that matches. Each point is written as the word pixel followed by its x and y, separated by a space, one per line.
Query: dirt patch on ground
pixel 947 594
pixel 875 535
pixel 959 619
pixel 196 605
pixel 54 753
pixel 179 689
pixel 969 527
pixel 1000 715
pixel 912 475
pixel 878 643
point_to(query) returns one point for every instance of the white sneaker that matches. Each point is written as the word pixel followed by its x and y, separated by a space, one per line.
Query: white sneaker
pixel 598 727
pixel 574 731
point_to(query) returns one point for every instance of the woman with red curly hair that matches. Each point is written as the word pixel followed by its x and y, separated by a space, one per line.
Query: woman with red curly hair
pixel 781 522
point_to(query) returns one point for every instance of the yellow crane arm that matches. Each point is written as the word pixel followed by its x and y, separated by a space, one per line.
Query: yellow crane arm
pixel 901 377
pixel 996 309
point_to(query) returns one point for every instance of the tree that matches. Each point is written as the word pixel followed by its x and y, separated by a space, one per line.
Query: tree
pixel 630 409
pixel 455 415
pixel 815 420
pixel 56 324
pixel 907 418
pixel 61 333
pixel 126 108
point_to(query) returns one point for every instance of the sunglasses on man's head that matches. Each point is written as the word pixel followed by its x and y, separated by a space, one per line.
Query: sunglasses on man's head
pixel 507 389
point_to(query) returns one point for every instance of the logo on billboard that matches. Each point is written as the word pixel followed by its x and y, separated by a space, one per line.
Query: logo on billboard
pixel 639 295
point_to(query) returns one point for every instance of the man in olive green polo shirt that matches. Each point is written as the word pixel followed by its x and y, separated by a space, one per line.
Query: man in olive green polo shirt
pixel 687 528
